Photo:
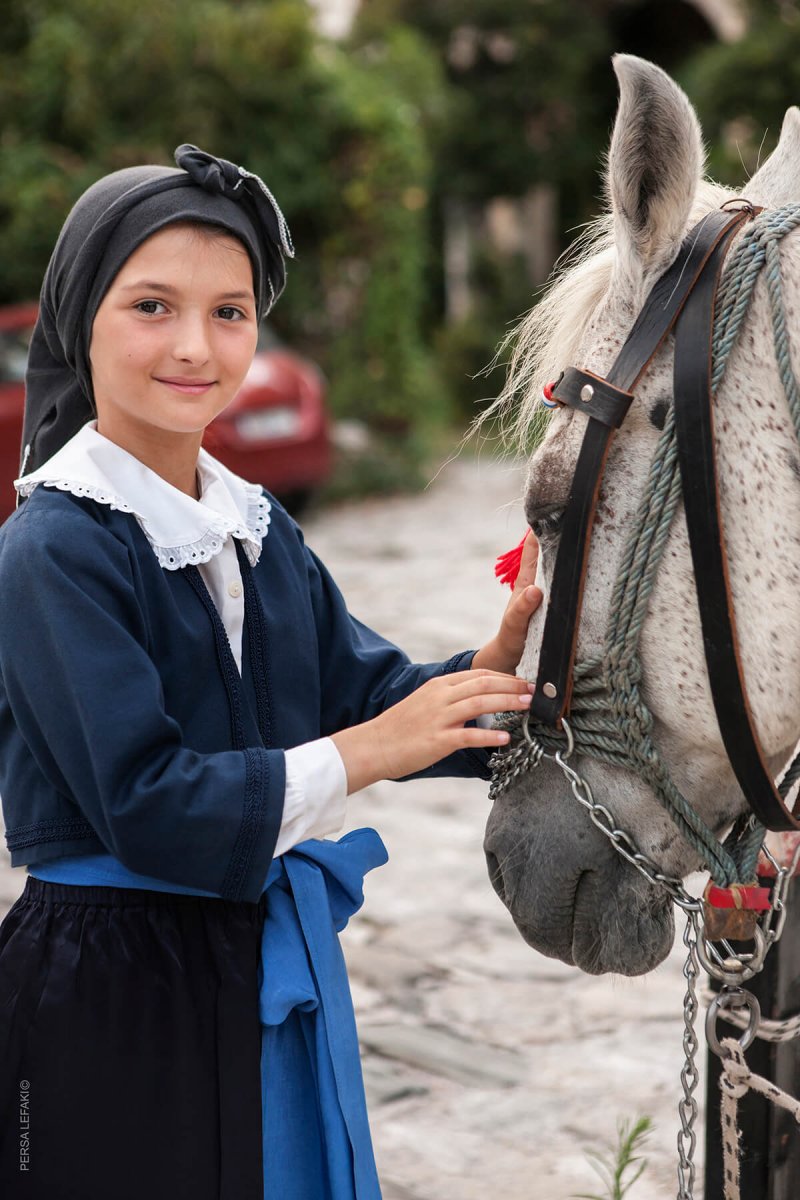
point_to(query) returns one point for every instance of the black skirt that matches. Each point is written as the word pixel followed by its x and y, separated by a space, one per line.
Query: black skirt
pixel 129 1046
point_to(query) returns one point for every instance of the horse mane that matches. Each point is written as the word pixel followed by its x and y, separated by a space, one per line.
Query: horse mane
pixel 548 337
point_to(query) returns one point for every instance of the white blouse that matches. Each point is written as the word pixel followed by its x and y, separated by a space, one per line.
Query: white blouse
pixel 182 530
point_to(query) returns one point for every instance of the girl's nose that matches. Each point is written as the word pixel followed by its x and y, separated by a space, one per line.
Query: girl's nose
pixel 191 341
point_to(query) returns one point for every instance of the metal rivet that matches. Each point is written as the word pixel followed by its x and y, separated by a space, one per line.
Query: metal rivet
pixel 550 690
pixel 587 391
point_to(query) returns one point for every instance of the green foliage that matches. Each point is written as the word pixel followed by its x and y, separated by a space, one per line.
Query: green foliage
pixel 529 98
pixel 376 255
pixel 523 77
pixel 614 1165
pixel 363 143
pixel 742 89
pixel 466 350
pixel 88 86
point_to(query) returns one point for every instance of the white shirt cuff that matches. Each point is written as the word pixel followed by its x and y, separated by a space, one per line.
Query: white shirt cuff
pixel 315 801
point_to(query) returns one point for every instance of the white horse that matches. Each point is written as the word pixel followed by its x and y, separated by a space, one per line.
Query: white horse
pixel 570 894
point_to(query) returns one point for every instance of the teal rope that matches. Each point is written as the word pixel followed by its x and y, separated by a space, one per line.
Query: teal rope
pixel 608 716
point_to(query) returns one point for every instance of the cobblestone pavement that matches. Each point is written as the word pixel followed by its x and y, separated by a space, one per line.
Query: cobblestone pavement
pixel 490 1070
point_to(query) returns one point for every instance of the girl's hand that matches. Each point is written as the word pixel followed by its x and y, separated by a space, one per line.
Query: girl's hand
pixel 428 725
pixel 504 651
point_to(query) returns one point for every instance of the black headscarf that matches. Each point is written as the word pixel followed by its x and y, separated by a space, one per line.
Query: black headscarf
pixel 110 220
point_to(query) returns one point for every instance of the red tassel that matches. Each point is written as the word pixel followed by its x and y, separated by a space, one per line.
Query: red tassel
pixel 507 566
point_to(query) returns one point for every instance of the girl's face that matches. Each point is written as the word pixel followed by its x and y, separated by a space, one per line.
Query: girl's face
pixel 174 335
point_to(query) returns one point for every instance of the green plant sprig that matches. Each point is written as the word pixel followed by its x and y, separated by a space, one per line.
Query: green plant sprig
pixel 614 1165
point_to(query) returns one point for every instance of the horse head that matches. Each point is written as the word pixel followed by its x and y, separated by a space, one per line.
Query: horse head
pixel 571 895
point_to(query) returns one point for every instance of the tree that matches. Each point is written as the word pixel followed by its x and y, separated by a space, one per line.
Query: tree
pixel 525 78
pixel 742 89
pixel 88 86
pixel 528 103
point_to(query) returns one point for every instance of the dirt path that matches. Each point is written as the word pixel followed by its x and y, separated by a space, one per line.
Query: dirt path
pixel 490 1069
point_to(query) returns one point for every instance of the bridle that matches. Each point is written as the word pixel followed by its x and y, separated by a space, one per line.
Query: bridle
pixel 682 300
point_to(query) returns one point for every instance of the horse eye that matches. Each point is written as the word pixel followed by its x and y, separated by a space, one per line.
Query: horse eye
pixel 548 524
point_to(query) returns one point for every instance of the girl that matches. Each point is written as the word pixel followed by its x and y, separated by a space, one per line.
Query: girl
pixel 185 704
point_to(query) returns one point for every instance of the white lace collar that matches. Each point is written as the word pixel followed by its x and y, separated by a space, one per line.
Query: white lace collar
pixel 181 530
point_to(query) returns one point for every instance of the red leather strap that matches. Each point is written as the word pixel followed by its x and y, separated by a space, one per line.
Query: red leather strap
pixel 739 895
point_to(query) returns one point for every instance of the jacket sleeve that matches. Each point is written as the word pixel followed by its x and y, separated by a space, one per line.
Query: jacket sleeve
pixel 363 674
pixel 87 699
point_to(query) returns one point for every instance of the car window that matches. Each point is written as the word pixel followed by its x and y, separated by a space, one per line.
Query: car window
pixel 13 354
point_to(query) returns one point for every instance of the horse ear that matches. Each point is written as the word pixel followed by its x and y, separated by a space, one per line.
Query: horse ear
pixel 655 163
pixel 778 181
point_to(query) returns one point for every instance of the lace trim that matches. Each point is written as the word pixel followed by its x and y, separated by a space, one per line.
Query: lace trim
pixel 77 489
pixel 173 558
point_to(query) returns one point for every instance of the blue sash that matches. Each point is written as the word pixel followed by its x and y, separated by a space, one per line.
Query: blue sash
pixel 316 1137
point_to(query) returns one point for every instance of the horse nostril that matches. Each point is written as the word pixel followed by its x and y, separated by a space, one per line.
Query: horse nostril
pixel 495 874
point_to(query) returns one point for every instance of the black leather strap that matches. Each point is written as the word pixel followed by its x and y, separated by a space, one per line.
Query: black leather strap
pixel 556 659
pixel 694 425
pixel 595 397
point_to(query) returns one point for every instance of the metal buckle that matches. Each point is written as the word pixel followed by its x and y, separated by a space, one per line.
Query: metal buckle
pixel 736 968
pixel 741 204
pixel 732 998
pixel 560 756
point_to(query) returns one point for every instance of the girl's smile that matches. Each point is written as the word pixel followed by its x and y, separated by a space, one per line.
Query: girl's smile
pixel 193 387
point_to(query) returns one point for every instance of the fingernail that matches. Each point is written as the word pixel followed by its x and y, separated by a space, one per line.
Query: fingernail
pixel 503 738
pixel 531 688
pixel 525 699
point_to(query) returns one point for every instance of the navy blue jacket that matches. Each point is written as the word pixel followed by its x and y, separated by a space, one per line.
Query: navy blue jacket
pixel 125 726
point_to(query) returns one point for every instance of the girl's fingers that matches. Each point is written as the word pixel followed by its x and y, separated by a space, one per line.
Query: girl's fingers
pixel 528 562
pixel 483 737
pixel 492 681
pixel 528 600
pixel 523 605
pixel 456 677
pixel 478 706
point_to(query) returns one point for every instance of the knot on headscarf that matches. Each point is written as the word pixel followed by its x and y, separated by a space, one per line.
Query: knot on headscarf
pixel 214 174
pixel 108 223
pixel 224 177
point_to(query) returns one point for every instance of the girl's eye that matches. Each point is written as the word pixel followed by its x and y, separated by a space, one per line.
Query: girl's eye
pixel 150 307
pixel 229 313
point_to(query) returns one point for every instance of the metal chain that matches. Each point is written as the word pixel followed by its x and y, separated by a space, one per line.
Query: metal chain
pixel 622 842
pixel 633 587
pixel 687 1107
pixel 730 967
pixel 508 765
pixel 780 890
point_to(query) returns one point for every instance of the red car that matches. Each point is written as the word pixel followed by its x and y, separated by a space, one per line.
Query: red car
pixel 275 431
